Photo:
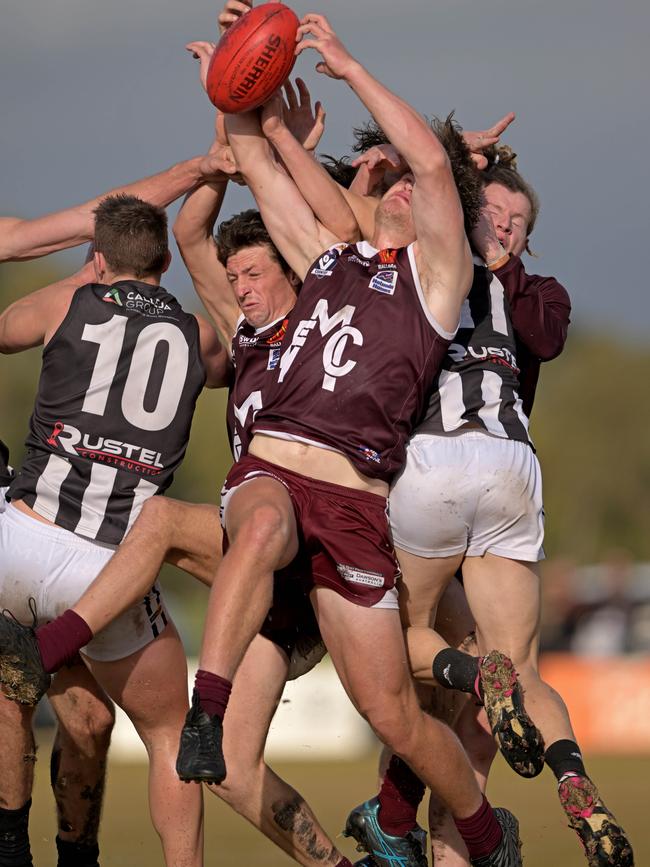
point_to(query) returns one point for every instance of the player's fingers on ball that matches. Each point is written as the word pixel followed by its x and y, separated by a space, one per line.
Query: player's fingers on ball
pixel 310 27
pixel 226 19
pixel 238 7
pixel 306 43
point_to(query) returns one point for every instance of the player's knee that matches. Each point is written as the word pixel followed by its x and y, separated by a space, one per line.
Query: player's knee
pixel 267 524
pixel 156 519
pixel 89 732
pixel 391 721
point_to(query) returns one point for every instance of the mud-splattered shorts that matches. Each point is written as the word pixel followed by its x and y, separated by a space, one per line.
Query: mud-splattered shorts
pixel 56 566
pixel 469 492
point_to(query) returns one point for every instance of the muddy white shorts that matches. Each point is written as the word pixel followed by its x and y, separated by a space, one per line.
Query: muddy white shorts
pixel 56 567
pixel 469 492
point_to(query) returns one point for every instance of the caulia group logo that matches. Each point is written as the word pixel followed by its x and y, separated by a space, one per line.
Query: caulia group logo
pixel 136 301
pixel 115 453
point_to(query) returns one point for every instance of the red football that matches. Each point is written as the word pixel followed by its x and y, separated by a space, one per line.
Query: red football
pixel 253 58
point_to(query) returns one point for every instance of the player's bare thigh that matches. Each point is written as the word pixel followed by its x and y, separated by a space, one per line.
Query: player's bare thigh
pixel 504 596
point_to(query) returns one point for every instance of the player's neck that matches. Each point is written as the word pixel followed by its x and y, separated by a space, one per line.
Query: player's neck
pixel 108 277
pixel 391 235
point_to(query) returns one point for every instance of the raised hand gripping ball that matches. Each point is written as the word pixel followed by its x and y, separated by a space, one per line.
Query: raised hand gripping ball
pixel 253 58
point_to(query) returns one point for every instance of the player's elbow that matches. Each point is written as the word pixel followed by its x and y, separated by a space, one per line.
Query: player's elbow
pixel 432 162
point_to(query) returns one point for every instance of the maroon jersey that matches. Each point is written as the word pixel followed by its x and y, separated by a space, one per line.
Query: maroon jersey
pixel 360 355
pixel 255 353
pixel 539 311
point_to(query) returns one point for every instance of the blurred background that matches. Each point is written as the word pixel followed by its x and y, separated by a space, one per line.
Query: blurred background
pixel 95 95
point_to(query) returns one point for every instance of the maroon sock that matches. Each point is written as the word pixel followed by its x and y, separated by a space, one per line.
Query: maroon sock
pixel 399 798
pixel 344 862
pixel 481 832
pixel 214 692
pixel 61 640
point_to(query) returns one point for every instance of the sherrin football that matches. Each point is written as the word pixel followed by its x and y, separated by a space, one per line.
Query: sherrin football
pixel 253 58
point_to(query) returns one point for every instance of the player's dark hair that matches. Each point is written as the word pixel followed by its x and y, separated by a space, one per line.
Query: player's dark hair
pixel 367 136
pixel 338 169
pixel 466 175
pixel 449 133
pixel 502 169
pixel 245 229
pixel 131 235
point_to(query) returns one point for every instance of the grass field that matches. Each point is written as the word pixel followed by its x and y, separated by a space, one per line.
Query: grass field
pixel 127 839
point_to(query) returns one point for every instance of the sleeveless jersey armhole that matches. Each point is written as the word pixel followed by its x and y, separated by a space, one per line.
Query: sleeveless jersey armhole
pixel 437 327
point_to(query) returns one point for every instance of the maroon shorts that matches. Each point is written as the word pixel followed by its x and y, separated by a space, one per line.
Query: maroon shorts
pixel 344 535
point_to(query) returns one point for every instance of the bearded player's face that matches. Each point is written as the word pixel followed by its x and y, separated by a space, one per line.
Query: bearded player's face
pixel 395 205
pixel 263 291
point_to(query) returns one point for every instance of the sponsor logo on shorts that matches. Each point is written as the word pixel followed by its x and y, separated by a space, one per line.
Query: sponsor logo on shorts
pixel 360 576
pixel 126 456
pixel 384 282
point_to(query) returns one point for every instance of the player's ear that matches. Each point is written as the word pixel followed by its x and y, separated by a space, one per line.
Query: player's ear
pixel 168 260
pixel 100 265
pixel 294 279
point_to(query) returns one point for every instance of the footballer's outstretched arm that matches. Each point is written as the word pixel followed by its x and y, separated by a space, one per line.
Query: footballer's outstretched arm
pixel 443 254
pixel 193 230
pixel 322 194
pixel 28 239
pixel 32 320
pixel 289 220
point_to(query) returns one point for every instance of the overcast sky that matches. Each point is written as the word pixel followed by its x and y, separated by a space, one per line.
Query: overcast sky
pixel 94 94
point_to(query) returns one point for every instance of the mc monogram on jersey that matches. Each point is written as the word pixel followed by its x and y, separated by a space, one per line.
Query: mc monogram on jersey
pixel 333 351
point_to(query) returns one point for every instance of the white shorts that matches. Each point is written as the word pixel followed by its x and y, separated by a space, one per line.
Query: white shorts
pixel 472 493
pixel 56 567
